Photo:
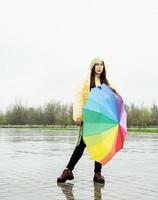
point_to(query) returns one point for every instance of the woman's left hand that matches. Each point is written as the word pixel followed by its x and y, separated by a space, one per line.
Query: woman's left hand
pixel 79 122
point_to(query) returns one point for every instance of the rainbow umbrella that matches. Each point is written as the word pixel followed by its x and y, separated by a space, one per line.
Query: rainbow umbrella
pixel 104 123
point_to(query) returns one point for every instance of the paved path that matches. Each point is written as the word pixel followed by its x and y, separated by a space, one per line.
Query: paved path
pixel 30 162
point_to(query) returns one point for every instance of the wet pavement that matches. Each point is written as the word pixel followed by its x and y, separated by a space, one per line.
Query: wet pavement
pixel 31 160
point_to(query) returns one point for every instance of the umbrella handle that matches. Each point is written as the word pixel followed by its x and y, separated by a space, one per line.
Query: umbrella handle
pixel 80 129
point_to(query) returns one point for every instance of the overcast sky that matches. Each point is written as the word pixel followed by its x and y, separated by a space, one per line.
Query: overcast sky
pixel 46 47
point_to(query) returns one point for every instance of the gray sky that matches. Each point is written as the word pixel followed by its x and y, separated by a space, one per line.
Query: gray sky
pixel 46 47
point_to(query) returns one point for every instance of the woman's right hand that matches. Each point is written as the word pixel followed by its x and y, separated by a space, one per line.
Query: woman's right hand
pixel 79 122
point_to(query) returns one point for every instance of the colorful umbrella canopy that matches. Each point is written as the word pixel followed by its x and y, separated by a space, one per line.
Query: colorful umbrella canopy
pixel 104 123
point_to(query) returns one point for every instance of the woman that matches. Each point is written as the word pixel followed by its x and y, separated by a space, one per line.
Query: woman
pixel 97 77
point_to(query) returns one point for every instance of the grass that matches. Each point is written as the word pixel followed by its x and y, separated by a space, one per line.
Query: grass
pixel 75 128
pixel 143 130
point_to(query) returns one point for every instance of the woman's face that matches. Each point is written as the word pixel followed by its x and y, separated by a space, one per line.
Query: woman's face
pixel 99 67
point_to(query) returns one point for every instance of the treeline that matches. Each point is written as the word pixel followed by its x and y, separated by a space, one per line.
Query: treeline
pixel 141 116
pixel 55 113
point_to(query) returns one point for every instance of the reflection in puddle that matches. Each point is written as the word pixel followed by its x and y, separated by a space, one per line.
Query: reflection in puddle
pixel 67 189
pixel 97 191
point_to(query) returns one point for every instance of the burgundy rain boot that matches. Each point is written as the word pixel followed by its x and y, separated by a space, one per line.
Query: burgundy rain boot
pixel 98 178
pixel 66 175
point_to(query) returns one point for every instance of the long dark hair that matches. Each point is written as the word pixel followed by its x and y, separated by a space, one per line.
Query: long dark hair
pixel 103 78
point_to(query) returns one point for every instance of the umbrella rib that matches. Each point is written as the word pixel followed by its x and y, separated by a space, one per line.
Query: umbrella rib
pixel 114 102
pixel 106 88
pixel 101 115
pixel 103 106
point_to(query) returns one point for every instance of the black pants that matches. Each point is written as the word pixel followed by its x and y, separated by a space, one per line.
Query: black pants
pixel 78 152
